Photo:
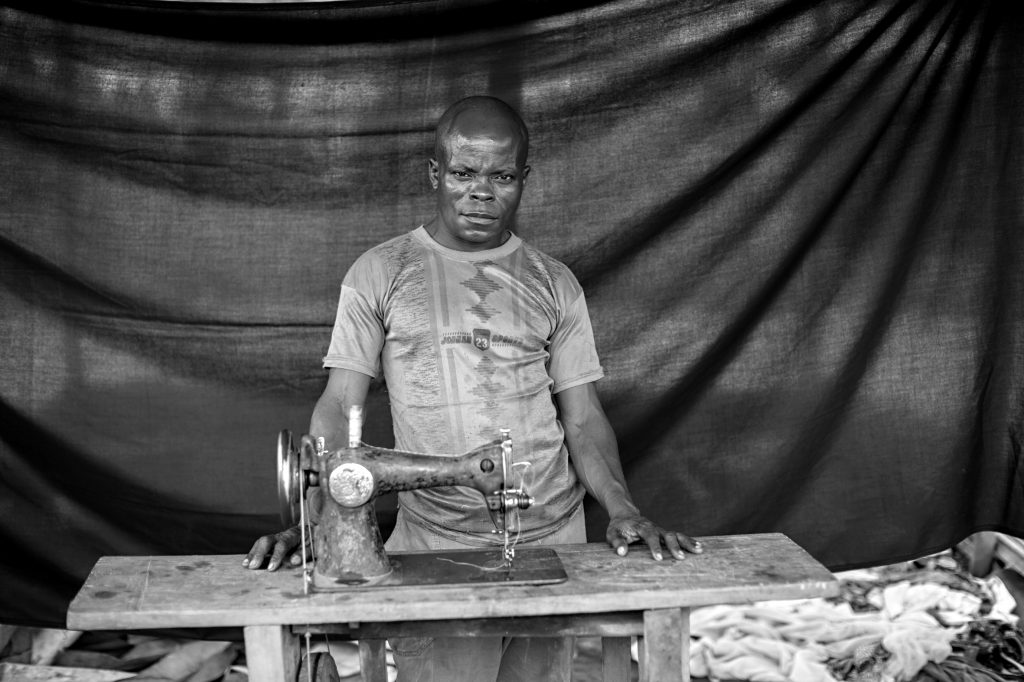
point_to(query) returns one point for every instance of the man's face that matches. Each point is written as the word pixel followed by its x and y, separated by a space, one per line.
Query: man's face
pixel 479 180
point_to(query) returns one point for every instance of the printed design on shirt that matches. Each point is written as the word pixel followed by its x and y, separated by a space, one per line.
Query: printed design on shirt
pixel 485 391
pixel 483 286
pixel 482 338
pixel 412 312
pixel 489 339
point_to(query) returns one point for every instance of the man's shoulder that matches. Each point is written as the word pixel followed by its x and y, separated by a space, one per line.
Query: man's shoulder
pixel 547 265
pixel 402 242
pixel 381 262
pixel 387 251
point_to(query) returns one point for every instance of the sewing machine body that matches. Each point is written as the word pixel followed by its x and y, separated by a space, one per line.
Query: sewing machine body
pixel 333 493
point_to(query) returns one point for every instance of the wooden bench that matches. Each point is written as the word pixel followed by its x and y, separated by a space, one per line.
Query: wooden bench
pixel 606 595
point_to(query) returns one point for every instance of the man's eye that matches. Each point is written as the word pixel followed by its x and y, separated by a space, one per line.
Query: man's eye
pixel 505 178
pixel 460 174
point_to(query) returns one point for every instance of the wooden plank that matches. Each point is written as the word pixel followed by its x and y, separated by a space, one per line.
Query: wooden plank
pixel 615 659
pixel 215 591
pixel 20 672
pixel 6 633
pixel 980 549
pixel 603 625
pixel 47 643
pixel 271 652
pixel 666 646
pixel 185 660
pixel 1010 551
pixel 372 660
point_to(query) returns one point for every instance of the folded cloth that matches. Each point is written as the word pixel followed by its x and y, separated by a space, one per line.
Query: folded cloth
pixel 793 641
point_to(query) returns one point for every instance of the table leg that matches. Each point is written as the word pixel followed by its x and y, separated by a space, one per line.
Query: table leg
pixel 666 650
pixel 272 653
pixel 372 661
pixel 615 659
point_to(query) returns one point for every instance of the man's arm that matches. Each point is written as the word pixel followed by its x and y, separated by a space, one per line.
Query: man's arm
pixel 595 456
pixel 345 388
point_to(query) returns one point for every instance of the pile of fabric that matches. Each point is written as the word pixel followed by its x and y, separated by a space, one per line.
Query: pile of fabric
pixel 924 621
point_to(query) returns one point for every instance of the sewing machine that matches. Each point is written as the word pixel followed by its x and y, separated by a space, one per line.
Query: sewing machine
pixel 615 597
pixel 330 495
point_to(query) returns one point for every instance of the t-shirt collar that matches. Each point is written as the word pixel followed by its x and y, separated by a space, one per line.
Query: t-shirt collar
pixel 510 245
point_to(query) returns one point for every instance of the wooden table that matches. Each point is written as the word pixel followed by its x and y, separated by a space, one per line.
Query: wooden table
pixel 607 595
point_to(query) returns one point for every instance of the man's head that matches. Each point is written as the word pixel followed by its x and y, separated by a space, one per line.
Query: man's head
pixel 478 172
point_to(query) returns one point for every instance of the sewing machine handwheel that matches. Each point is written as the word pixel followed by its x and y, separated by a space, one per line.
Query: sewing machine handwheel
pixel 321 669
pixel 289 478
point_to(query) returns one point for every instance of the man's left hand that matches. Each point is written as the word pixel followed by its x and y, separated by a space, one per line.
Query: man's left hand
pixel 622 531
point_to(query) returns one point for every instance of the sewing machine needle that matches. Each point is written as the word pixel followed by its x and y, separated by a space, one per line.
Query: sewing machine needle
pixel 509 553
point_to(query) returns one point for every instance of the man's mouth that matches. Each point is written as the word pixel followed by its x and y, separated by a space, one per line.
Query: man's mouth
pixel 479 217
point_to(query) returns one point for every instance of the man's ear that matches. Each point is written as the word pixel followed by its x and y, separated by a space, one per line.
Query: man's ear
pixel 526 172
pixel 432 170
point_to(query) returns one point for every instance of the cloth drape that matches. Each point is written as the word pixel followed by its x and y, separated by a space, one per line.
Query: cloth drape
pixel 798 226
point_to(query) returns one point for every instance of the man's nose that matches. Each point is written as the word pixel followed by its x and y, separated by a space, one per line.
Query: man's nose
pixel 481 190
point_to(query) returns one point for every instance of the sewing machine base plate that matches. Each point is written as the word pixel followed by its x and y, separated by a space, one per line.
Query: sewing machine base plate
pixel 532 566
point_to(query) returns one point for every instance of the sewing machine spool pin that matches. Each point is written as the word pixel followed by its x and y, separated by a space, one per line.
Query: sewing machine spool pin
pixel 342 486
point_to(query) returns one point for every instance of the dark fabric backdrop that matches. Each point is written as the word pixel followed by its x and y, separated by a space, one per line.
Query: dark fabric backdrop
pixel 798 226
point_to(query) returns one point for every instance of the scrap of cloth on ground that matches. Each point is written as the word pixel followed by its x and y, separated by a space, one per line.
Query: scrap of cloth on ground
pixel 908 623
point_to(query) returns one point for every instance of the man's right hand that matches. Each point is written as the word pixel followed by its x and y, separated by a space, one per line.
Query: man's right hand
pixel 345 387
pixel 278 546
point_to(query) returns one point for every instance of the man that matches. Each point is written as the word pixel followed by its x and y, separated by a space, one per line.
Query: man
pixel 475 331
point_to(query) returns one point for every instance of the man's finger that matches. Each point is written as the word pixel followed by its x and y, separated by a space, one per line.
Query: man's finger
pixel 652 536
pixel 690 544
pixel 618 543
pixel 672 544
pixel 620 546
pixel 254 559
pixel 280 549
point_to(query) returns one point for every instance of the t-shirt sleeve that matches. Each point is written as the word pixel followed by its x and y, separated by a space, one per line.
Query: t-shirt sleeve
pixel 358 334
pixel 573 354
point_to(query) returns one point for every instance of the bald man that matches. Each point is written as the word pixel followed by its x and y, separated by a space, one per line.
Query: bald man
pixel 474 331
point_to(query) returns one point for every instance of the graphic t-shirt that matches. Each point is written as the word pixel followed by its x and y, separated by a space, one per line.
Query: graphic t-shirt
pixel 470 343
